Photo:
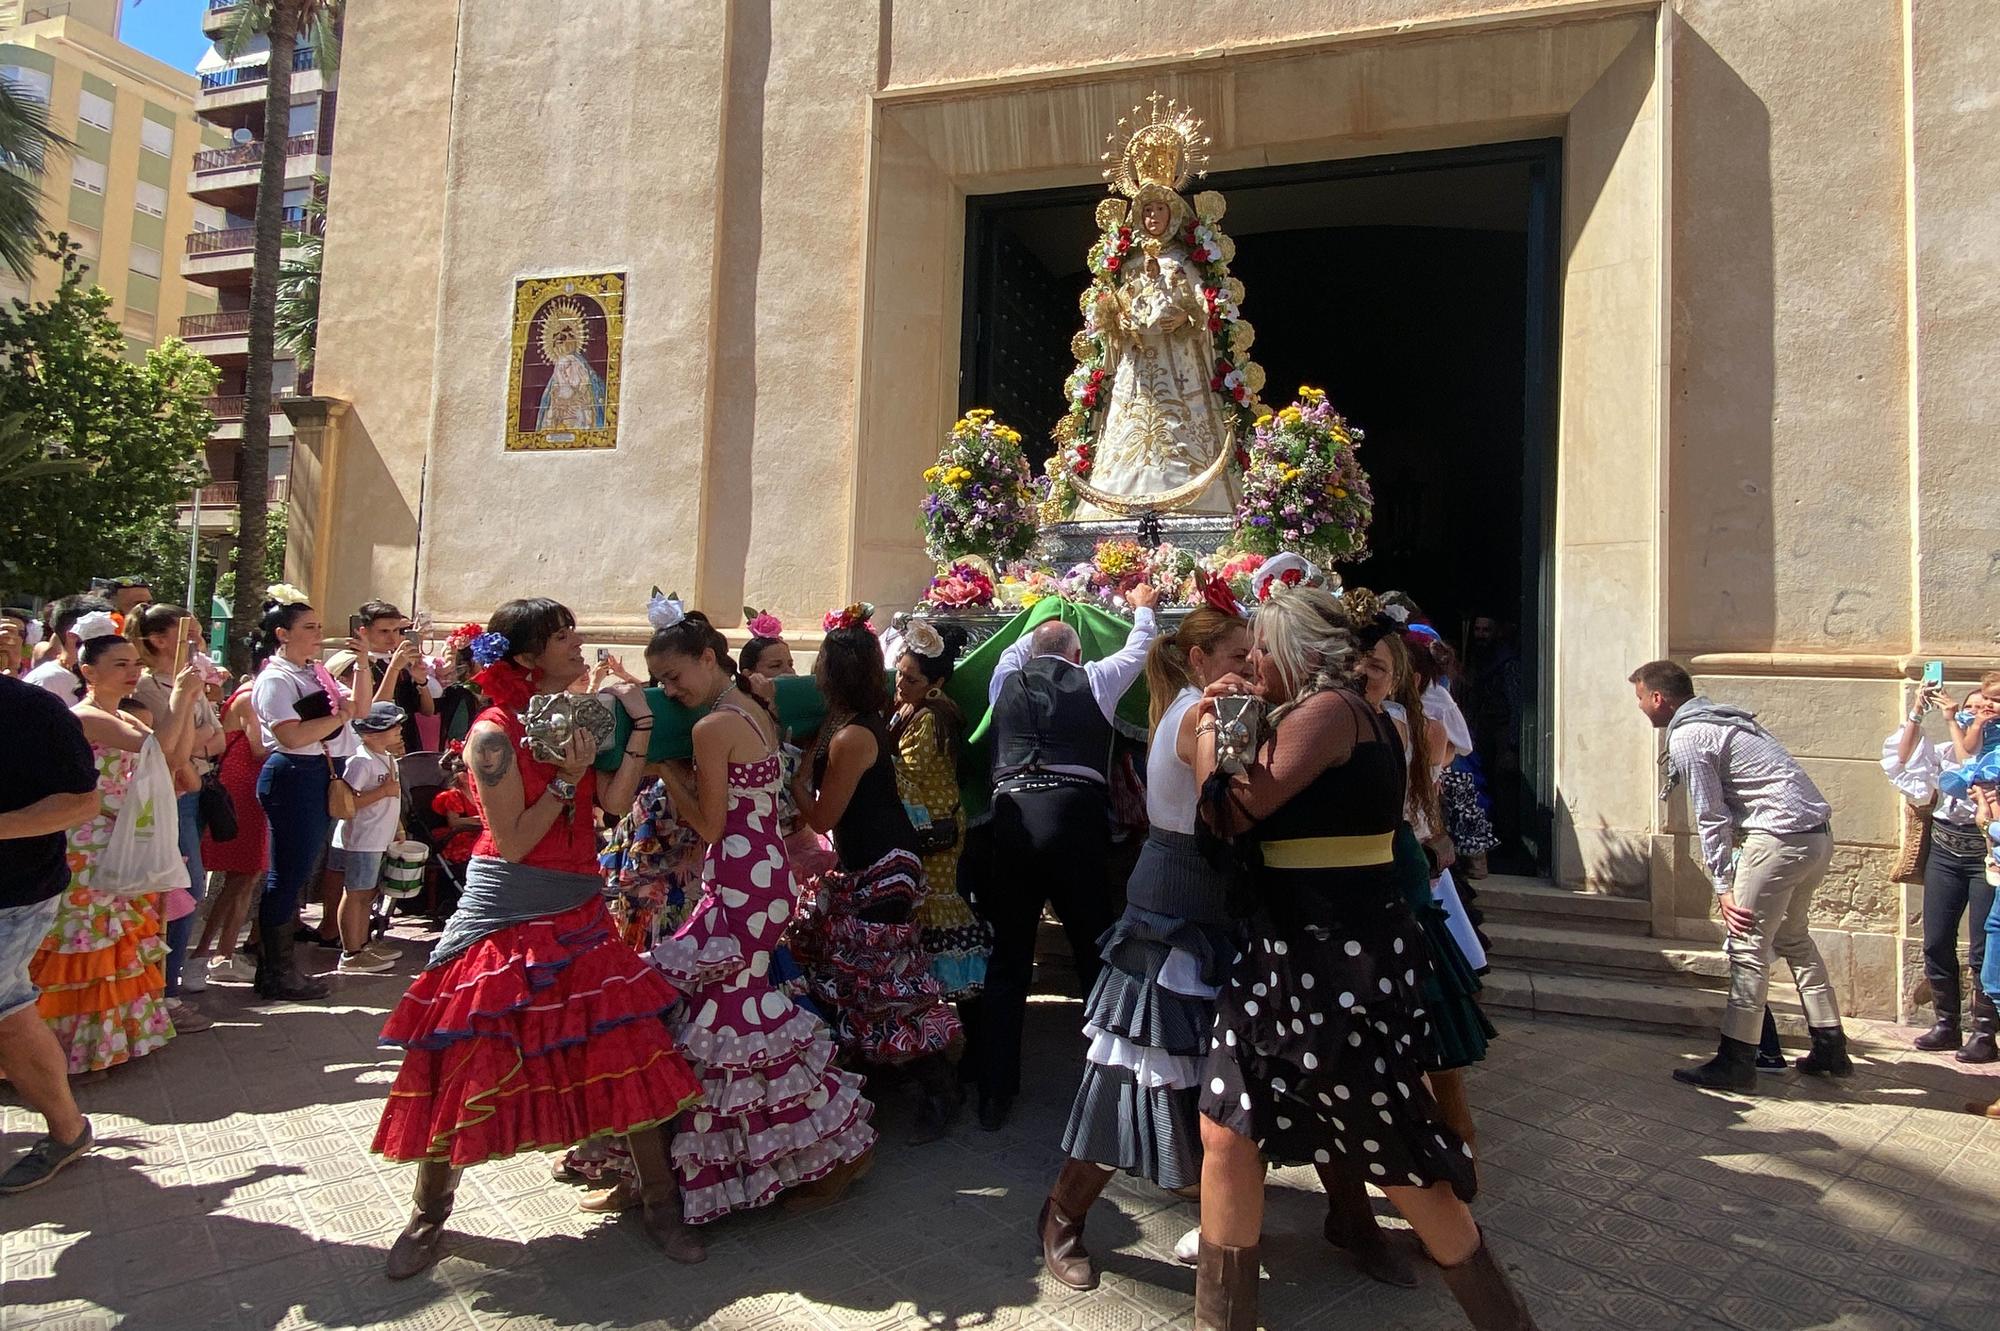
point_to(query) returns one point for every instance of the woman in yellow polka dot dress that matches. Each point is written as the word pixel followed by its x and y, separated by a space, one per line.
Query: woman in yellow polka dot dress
pixel 927 728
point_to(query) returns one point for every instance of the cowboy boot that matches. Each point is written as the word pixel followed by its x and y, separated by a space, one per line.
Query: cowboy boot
pixel 1829 1053
pixel 1061 1223
pixel 660 1198
pixel 1482 1289
pixel 417 1246
pixel 1225 1288
pixel 1734 1068
pixel 1981 1048
pixel 1947 1033
pixel 1352 1228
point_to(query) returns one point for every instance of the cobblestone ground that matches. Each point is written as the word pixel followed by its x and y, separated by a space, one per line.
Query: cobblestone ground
pixel 233 1189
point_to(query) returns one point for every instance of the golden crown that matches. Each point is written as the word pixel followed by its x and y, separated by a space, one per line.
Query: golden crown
pixel 1168 148
pixel 564 332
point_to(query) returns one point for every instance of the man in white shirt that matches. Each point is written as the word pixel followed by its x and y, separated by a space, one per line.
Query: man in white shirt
pixel 1741 780
pixel 381 629
pixel 58 673
pixel 1052 738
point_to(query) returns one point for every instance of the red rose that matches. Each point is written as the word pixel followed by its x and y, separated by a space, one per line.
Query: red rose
pixel 1210 294
pixel 1291 577
pixel 1111 264
pixel 1239 394
pixel 1215 384
pixel 1214 324
pixel 1124 233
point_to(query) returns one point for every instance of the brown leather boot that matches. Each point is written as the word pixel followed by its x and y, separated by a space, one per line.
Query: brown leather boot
pixel 416 1248
pixel 1061 1223
pixel 1491 1303
pixel 660 1199
pixel 1225 1288
pixel 1351 1227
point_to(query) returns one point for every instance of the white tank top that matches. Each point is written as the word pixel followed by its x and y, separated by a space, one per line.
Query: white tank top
pixel 1171 796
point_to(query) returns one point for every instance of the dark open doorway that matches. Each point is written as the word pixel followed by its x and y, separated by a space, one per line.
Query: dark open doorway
pixel 1420 291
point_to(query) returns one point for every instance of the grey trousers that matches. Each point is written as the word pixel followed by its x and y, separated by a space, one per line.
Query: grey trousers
pixel 1775 879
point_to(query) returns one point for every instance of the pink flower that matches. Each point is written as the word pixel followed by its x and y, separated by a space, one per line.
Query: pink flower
pixel 766 625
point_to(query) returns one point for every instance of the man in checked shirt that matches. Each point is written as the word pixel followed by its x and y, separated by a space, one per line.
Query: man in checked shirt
pixel 1741 781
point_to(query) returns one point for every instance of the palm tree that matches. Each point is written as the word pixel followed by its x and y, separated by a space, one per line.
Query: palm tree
pixel 298 283
pixel 283 22
pixel 24 455
pixel 25 142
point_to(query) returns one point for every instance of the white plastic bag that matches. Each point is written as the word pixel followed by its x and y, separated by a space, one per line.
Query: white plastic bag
pixel 144 852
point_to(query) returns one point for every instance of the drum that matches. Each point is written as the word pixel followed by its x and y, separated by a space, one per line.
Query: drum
pixel 403 868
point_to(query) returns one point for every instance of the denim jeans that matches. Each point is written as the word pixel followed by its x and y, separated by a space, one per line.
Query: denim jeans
pixel 292 792
pixel 181 932
pixel 22 929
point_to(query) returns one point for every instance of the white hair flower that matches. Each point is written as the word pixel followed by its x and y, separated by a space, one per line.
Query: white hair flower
pixel 96 624
pixel 922 637
pixel 285 594
pixel 664 611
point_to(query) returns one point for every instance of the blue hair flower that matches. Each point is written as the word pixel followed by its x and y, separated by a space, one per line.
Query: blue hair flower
pixel 489 647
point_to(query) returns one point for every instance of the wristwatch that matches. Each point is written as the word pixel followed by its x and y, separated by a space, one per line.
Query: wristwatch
pixel 565 790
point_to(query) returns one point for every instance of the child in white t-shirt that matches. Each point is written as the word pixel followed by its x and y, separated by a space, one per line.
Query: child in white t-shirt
pixel 362 840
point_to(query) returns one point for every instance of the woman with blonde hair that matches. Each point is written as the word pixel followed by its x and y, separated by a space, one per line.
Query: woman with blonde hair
pixel 1164 960
pixel 1321 1034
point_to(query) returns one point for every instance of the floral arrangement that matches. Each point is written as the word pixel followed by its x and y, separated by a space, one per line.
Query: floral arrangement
pixel 1303 487
pixel 1234 375
pixel 856 615
pixel 963 586
pixel 980 500
pixel 762 623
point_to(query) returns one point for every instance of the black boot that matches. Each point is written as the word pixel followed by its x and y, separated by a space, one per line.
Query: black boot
pixel 1771 1054
pixel 278 976
pixel 417 1246
pixel 1352 1228
pixel 941 1099
pixel 1829 1054
pixel 1947 1034
pixel 1981 1048
pixel 1490 1301
pixel 1734 1068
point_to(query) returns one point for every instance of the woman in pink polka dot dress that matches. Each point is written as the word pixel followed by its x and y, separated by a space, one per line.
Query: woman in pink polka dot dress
pixel 776 1113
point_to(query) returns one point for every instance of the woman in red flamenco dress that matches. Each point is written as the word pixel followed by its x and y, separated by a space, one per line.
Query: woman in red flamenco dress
pixel 533 1026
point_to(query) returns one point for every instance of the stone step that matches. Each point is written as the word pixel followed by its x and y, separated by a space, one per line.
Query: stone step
pixel 1560 950
pixel 1532 902
pixel 1620 1002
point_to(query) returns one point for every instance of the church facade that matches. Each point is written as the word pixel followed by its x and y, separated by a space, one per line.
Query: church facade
pixel 668 292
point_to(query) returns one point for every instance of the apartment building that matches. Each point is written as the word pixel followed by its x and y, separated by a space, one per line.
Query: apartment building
pixel 121 193
pixel 216 254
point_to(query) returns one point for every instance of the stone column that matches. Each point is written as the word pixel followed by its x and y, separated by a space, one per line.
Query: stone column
pixel 310 494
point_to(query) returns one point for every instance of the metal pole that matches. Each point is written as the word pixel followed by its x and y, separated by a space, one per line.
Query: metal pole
pixel 194 549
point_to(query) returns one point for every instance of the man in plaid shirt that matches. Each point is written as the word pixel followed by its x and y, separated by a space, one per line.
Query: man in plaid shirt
pixel 1742 782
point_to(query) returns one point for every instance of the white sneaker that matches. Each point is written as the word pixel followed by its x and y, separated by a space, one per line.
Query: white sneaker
pixel 194 979
pixel 231 969
pixel 382 947
pixel 363 963
pixel 1189 1248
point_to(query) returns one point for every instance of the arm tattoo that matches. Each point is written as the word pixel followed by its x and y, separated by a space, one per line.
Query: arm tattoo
pixel 491 755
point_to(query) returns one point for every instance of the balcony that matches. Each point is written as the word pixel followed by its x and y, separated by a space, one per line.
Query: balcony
pixel 229 177
pixel 222 259
pixel 242 86
pixel 223 335
pixel 217 16
pixel 228 413
pixel 228 407
pixel 219 500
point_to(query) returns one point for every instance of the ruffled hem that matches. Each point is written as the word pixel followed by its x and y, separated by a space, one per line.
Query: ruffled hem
pixel 94 1041
pixel 960 975
pixel 1154 1133
pixel 1135 1006
pixel 770 1090
pixel 709 1138
pixel 693 964
pixel 703 1202
pixel 540 1035
pixel 1459 1028
pixel 791 1038
pixel 1151 1069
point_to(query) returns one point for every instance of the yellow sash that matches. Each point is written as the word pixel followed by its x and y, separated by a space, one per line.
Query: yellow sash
pixel 1330 852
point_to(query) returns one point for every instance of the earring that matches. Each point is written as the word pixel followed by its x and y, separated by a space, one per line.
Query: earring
pixel 936 691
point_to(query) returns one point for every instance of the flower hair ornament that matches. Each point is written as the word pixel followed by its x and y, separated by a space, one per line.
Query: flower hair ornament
pixel 853 616
pixel 922 637
pixel 1215 594
pixel 1282 571
pixel 285 594
pixel 488 648
pixel 97 624
pixel 762 623
pixel 462 636
pixel 665 610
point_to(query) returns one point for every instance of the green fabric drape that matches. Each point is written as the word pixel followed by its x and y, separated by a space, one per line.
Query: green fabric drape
pixel 800 710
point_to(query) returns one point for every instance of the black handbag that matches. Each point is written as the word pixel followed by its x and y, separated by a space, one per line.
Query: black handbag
pixel 216 809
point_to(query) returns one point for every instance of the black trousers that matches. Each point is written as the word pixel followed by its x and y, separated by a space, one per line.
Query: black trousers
pixel 1053 847
pixel 1951 884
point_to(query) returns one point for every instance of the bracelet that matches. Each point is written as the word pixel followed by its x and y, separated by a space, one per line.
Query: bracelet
pixel 1205 728
pixel 641 755
pixel 642 723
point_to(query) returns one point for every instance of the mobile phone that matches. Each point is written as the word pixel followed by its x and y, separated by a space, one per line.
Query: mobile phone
pixel 354 626
pixel 1933 674
pixel 603 655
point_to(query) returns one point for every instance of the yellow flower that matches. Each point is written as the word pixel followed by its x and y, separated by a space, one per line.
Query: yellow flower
pixel 1265 420
pixel 931 474
pixel 1339 493
pixel 1291 416
pixel 1028 599
pixel 1312 394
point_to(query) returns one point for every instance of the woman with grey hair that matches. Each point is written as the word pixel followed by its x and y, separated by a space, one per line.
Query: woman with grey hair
pixel 1321 1036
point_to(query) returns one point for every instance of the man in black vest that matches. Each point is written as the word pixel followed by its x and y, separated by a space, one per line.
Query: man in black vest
pixel 1052 740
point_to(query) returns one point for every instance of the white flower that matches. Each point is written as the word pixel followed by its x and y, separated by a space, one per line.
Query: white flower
pixel 96 624
pixel 1234 379
pixel 1399 613
pixel 285 594
pixel 921 637
pixel 663 611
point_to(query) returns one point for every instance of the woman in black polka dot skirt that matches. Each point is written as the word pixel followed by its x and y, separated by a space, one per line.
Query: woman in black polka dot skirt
pixel 1321 1036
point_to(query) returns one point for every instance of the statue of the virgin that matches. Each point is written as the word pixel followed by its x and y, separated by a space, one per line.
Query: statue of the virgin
pixel 1163 389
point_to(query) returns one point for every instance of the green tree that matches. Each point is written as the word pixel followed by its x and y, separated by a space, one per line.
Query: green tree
pixel 23 454
pixel 283 23
pixel 298 282
pixel 136 432
pixel 25 143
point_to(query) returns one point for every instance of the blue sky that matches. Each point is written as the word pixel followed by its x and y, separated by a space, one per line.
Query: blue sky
pixel 168 30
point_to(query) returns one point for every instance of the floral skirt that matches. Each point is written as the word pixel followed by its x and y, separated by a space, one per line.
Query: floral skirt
pixel 957 941
pixel 861 945
pixel 539 1035
pixel 102 975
